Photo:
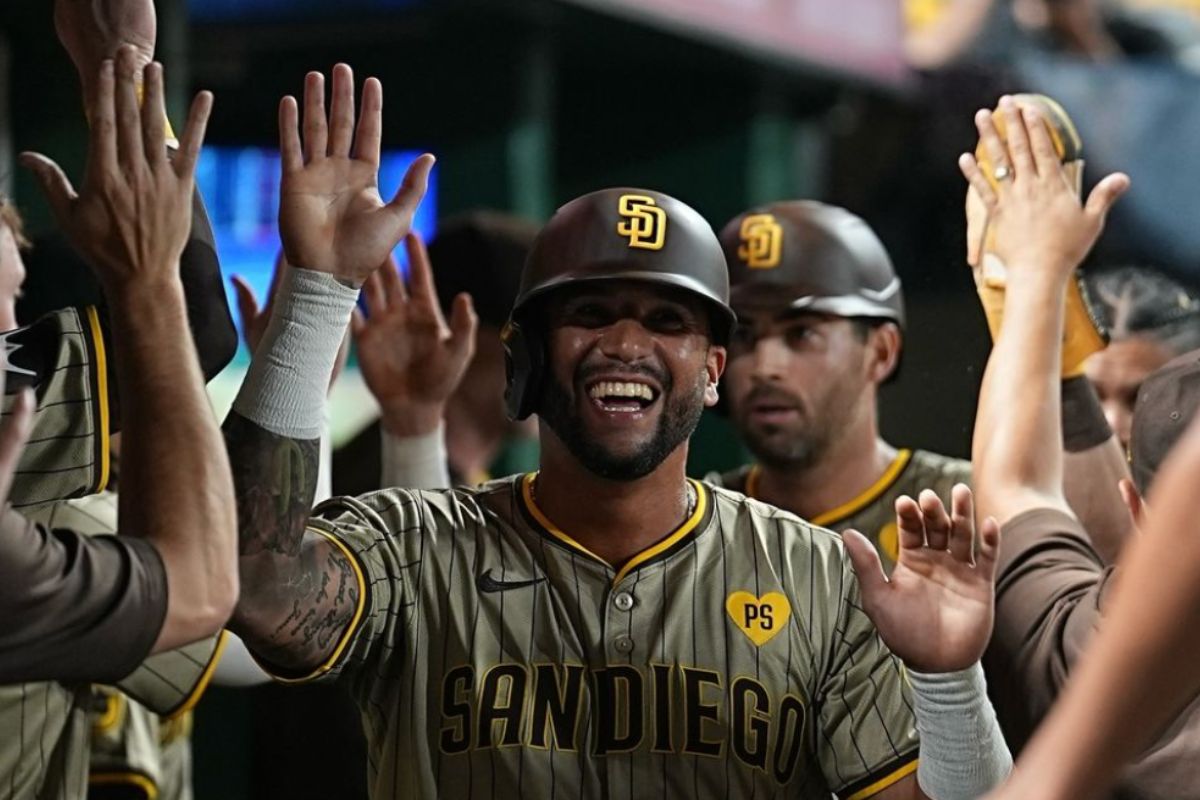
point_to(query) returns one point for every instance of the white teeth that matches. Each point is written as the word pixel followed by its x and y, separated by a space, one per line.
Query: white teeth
pixel 621 389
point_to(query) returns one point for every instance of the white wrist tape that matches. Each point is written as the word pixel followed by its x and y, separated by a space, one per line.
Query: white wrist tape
pixel 416 462
pixel 963 753
pixel 285 387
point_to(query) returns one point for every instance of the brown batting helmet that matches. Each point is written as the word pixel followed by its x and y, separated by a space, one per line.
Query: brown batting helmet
pixel 810 256
pixel 611 235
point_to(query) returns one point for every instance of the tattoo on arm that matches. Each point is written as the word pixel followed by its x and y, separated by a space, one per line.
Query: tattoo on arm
pixel 299 593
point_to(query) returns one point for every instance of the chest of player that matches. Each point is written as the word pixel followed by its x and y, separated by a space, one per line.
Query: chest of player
pixel 695 654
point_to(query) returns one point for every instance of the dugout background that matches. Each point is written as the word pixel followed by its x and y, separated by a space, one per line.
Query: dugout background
pixel 528 104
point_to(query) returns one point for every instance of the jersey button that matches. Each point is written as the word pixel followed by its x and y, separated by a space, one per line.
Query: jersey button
pixel 623 645
pixel 623 601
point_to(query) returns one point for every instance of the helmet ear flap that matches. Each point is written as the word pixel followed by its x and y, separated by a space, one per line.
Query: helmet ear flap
pixel 524 361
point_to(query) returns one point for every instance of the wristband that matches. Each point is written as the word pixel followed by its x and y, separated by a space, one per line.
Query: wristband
pixel 285 388
pixel 1084 425
pixel 415 462
pixel 963 754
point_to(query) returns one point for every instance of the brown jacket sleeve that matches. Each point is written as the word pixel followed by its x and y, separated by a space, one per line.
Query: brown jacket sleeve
pixel 75 608
pixel 1050 588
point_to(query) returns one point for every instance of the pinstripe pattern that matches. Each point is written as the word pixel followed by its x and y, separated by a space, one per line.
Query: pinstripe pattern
pixel 874 512
pixel 455 683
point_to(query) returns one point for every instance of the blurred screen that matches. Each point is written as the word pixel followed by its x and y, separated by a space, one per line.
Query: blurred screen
pixel 218 10
pixel 241 190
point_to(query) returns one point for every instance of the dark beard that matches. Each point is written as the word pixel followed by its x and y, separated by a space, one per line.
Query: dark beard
pixel 678 420
pixel 796 455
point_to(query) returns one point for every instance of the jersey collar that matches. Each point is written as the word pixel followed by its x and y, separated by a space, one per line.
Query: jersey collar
pixel 658 551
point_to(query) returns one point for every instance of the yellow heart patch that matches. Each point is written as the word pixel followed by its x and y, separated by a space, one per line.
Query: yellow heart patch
pixel 760 618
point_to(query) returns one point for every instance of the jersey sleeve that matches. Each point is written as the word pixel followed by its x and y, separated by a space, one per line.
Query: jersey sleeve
pixel 383 537
pixel 76 607
pixel 868 733
pixel 1050 589
pixel 64 359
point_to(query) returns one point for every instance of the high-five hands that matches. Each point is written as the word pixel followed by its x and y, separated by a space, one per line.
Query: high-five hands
pixel 331 216
pixel 411 359
pixel 1035 210
pixel 936 611
pixel 132 215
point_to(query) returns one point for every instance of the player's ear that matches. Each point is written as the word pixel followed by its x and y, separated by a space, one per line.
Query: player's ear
pixel 883 351
pixel 715 367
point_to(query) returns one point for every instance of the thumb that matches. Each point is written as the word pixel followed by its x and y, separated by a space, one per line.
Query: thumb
pixel 1107 192
pixel 358 324
pixel 54 182
pixel 412 188
pixel 463 324
pixel 867 566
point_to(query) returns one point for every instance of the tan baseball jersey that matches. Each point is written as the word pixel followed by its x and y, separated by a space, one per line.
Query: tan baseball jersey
pixel 46 729
pixel 873 513
pixel 63 356
pixel 493 656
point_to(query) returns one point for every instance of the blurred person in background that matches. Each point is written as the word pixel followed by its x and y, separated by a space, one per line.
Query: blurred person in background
pixel 1151 319
pixel 820 328
pixel 458 398
pixel 945 32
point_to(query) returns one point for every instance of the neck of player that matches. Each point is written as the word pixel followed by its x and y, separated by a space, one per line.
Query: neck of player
pixel 616 520
pixel 853 462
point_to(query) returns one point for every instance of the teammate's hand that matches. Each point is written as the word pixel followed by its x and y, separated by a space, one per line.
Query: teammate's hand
pixel 411 359
pixel 255 318
pixel 92 31
pixel 936 612
pixel 331 216
pixel 132 216
pixel 1037 218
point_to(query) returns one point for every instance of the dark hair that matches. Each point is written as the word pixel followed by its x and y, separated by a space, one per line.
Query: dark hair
pixel 481 253
pixel 1135 301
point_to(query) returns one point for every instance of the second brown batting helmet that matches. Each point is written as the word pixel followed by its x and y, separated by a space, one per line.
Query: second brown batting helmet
pixel 611 235
pixel 810 256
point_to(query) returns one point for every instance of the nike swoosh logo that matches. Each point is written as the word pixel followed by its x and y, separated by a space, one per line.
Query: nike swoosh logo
pixel 487 584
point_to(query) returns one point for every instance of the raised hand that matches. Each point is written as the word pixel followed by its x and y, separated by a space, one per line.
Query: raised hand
pixel 1035 210
pixel 411 359
pixel 936 611
pixel 255 318
pixel 331 216
pixel 132 215
pixel 93 30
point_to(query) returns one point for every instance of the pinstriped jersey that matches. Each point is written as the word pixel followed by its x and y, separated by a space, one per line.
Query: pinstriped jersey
pixel 873 513
pixel 63 357
pixel 493 656
pixel 47 729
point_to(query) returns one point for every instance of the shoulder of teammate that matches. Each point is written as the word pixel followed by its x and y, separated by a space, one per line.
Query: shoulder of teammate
pixel 943 468
pixel 734 479
pixel 396 511
pixel 64 358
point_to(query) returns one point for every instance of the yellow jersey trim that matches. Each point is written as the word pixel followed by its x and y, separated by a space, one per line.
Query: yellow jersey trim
pixel 101 367
pixel 883 783
pixel 683 530
pixel 114 704
pixel 869 496
pixel 659 547
pixel 351 629
pixel 130 778
pixel 544 521
pixel 202 682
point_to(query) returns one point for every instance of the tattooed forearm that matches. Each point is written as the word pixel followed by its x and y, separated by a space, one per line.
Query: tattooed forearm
pixel 289 613
pixel 275 479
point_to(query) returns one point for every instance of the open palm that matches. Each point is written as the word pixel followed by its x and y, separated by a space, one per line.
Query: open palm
pixel 936 611
pixel 410 358
pixel 331 216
